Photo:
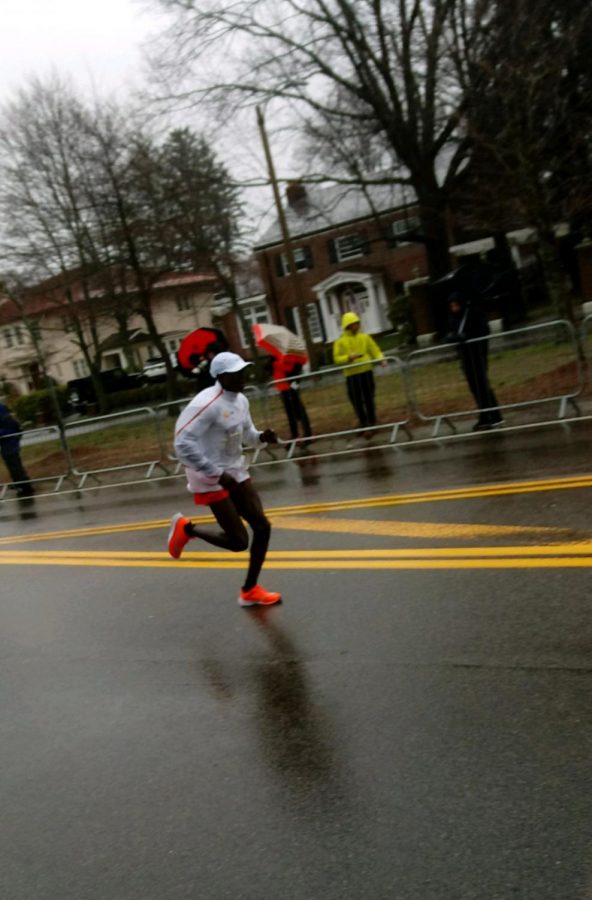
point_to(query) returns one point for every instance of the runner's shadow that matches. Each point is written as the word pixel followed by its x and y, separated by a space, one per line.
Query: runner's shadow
pixel 295 731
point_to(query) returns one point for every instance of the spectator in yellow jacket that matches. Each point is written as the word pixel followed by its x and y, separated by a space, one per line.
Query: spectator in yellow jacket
pixel 354 345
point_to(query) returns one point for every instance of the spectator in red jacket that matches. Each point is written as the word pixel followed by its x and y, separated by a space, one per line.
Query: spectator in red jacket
pixel 288 366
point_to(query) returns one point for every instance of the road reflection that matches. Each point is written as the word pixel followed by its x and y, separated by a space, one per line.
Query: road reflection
pixel 378 463
pixel 26 508
pixel 309 470
pixel 295 731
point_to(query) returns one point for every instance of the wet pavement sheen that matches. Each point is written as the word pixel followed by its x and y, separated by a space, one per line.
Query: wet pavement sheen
pixel 408 733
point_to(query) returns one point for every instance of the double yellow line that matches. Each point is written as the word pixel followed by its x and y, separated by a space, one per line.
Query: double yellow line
pixel 561 554
pixel 564 555
pixel 468 493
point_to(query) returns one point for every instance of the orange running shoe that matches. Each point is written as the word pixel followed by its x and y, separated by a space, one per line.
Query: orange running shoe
pixel 258 596
pixel 178 537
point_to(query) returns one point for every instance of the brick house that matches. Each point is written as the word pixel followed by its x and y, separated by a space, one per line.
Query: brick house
pixel 357 250
pixel 353 249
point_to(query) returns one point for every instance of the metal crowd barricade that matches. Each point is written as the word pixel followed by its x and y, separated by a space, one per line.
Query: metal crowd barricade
pixel 323 393
pixel 44 455
pixel 115 450
pixel 537 364
pixel 528 367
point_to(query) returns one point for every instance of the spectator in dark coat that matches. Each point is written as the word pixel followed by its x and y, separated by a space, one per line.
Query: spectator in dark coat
pixel 466 324
pixel 10 440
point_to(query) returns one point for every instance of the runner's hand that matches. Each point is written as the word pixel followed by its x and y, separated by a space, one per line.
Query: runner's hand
pixel 268 436
pixel 227 481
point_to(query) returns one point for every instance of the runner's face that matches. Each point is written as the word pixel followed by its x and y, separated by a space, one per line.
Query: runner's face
pixel 233 381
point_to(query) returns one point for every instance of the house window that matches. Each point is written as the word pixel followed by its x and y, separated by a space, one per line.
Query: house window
pixel 350 246
pixel 80 368
pixel 7 335
pixel 67 324
pixel 302 261
pixel 253 314
pixel 314 322
pixel 35 329
pixel 184 303
pixel 402 227
pixel 19 335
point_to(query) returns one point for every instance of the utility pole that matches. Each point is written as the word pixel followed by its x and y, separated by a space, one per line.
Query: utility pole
pixel 295 284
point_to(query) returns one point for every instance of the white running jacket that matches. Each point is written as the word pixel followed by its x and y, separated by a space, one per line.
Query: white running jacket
pixel 209 437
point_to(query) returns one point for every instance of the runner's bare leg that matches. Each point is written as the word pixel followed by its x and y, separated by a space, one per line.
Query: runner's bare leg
pixel 244 501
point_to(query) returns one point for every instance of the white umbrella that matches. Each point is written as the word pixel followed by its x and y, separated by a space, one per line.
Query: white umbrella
pixel 278 339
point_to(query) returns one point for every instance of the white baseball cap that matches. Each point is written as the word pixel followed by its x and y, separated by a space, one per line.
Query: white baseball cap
pixel 227 362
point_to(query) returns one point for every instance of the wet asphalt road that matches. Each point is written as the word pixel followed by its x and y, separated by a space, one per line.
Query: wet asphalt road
pixel 417 733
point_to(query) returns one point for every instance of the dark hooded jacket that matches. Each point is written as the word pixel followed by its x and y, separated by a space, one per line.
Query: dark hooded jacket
pixel 469 322
pixel 10 432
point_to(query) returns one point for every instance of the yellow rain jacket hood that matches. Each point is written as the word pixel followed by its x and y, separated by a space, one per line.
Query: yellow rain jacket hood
pixel 360 345
pixel 349 318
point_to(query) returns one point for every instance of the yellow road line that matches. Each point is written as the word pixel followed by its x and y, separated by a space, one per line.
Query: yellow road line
pixel 444 530
pixel 493 490
pixel 557 562
pixel 355 526
pixel 583 548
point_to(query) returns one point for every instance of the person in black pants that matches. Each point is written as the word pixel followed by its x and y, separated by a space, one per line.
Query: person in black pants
pixel 360 390
pixel 354 346
pixel 283 367
pixel 10 439
pixel 469 328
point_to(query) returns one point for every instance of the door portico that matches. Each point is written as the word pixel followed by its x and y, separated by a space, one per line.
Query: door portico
pixel 359 292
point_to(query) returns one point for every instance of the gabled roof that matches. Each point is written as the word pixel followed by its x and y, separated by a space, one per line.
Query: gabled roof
pixel 324 208
pixel 48 295
pixel 117 340
pixel 9 311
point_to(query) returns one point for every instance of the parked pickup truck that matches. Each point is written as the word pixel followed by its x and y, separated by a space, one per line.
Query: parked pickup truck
pixel 80 391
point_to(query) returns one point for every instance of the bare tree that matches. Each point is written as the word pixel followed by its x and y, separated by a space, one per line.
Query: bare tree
pixel 48 226
pixel 172 208
pixel 97 210
pixel 528 115
pixel 357 71
pixel 202 213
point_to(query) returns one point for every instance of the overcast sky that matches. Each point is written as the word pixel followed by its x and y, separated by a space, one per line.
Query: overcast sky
pixel 98 44
pixel 95 41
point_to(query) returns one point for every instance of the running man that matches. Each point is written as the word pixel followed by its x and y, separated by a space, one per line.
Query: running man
pixel 209 437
